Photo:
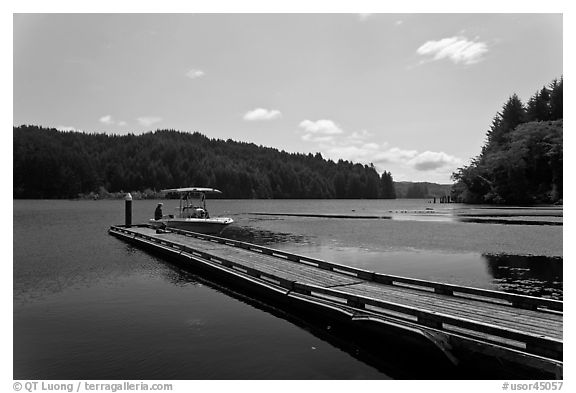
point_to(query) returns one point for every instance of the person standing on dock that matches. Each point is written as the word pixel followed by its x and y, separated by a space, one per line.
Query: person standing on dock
pixel 158 212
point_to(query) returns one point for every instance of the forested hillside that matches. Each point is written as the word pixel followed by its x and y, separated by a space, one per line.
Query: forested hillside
pixel 521 160
pixel 53 164
pixel 405 189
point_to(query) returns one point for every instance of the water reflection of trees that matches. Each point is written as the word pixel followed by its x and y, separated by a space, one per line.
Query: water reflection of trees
pixel 527 275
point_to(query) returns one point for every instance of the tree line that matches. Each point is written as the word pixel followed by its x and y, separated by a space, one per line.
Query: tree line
pixel 521 160
pixel 49 163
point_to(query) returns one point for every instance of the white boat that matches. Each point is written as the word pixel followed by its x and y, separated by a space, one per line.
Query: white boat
pixel 191 214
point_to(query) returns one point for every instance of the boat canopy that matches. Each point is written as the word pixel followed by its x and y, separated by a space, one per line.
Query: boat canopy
pixel 193 189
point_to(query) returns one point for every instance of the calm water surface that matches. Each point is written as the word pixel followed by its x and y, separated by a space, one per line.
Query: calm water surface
pixel 89 306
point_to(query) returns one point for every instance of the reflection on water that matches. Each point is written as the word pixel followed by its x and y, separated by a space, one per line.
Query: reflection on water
pixel 530 275
pixel 177 276
pixel 262 236
pixel 527 275
pixel 392 358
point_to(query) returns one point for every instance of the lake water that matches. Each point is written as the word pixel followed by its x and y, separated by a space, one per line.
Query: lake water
pixel 89 306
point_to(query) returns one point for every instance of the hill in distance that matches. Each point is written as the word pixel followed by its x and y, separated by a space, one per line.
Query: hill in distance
pixel 407 189
pixel 49 163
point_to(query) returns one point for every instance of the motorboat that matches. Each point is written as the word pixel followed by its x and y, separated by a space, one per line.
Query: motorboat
pixel 191 214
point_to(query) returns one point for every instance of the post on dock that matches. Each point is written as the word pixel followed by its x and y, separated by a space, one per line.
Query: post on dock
pixel 128 210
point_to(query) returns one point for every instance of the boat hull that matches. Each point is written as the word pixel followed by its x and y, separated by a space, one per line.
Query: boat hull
pixel 209 226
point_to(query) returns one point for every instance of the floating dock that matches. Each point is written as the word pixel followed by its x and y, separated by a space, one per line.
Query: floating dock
pixel 464 324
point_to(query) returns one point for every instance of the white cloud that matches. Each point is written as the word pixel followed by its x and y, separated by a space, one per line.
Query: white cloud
pixel 360 147
pixel 370 146
pixel 368 153
pixel 107 119
pixel 147 121
pixel 318 138
pixel 325 127
pixel 363 17
pixel 68 129
pixel 335 144
pixel 398 22
pixel 395 155
pixel 458 49
pixel 195 73
pixel 437 166
pixel 359 136
pixel 351 153
pixel 262 114
pixel 430 160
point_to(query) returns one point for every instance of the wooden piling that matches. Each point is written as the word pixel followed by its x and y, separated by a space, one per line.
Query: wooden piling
pixel 128 210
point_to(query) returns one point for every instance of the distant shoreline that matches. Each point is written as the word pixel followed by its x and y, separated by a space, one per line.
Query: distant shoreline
pixel 120 196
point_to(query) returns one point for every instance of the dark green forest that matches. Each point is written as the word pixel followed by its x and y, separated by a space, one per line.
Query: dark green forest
pixel 53 164
pixel 521 160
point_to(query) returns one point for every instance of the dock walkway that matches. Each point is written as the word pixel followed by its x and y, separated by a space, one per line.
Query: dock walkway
pixel 527 327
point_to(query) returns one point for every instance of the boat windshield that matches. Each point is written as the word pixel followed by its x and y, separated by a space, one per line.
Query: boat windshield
pixel 192 201
pixel 193 205
pixel 197 199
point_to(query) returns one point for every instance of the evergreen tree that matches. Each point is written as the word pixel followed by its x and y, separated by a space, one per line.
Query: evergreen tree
pixel 556 98
pixel 521 161
pixel 387 190
pixel 513 114
pixel 538 107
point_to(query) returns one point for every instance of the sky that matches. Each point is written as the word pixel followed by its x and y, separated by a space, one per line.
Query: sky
pixel 414 94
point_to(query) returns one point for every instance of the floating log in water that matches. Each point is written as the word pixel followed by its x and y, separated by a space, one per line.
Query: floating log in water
pixel 315 215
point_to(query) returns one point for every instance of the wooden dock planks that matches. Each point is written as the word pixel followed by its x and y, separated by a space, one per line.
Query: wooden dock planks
pixel 534 330
pixel 528 320
pixel 280 267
